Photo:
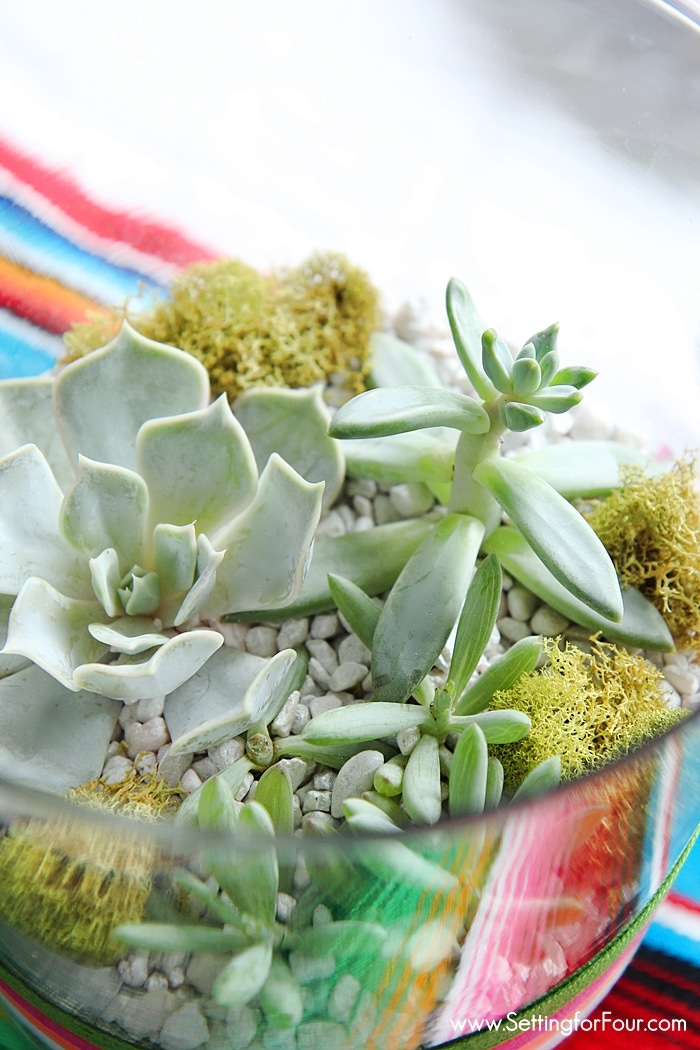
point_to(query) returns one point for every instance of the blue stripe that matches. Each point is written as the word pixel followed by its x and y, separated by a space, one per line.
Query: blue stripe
pixel 19 358
pixel 88 268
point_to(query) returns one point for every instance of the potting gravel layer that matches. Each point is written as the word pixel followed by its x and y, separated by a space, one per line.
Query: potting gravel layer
pixel 166 999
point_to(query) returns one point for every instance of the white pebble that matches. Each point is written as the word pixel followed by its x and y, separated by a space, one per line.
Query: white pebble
pixel 146 763
pixel 384 510
pixel 362 506
pixel 245 787
pixel 282 724
pixel 512 629
pixel 285 906
pixel 669 694
pixel 189 781
pixel 548 621
pixel 185 1029
pixel 682 679
pixel 362 487
pixel 134 969
pixel 331 526
pixel 325 625
pixel 172 767
pixel 412 499
pixel 321 651
pixel 347 676
pixel 363 524
pixel 204 768
pixel 116 768
pixel 328 702
pixel 351 649
pixel 301 719
pixel 146 736
pixel 343 998
pixel 234 634
pixel 156 982
pixel 318 672
pixel 354 777
pixel 223 755
pixel 127 715
pixel 407 739
pixel 317 801
pixel 292 633
pixel 261 641
pixel 203 969
pixel 242 1027
pixel 521 603
pixel 147 709
pixel 298 769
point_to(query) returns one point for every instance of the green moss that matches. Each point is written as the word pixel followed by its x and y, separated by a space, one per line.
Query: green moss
pixel 589 709
pixel 290 328
pixel 651 529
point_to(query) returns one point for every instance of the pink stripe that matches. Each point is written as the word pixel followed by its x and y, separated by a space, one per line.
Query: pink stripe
pixel 60 1036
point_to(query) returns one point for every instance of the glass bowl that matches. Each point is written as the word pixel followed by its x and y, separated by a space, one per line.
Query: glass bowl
pixel 545 152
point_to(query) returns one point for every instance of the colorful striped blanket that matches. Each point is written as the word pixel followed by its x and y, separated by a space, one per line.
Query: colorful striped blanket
pixel 63 255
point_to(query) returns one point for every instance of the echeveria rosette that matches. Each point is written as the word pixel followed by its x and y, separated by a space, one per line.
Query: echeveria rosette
pixel 165 522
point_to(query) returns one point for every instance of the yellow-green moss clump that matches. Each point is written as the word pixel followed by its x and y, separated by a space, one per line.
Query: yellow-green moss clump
pixel 68 883
pixel 651 529
pixel 589 709
pixel 290 328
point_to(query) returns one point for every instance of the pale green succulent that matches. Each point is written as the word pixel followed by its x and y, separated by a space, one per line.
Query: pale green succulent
pixel 132 511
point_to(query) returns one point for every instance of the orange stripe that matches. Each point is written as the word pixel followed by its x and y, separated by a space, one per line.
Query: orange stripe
pixel 42 300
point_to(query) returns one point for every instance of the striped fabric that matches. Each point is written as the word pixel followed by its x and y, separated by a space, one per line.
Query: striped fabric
pixel 63 255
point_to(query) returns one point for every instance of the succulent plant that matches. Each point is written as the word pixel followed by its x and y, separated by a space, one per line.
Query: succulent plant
pixel 132 509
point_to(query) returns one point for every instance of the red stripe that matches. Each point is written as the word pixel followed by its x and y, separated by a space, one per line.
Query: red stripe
pixel 42 300
pixel 679 900
pixel 667 975
pixel 147 236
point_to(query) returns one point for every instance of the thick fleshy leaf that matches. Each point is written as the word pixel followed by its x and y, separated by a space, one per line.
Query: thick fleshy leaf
pixel 293 423
pixel 526 376
pixel 581 468
pixel 557 399
pixel 357 607
pixel 27 417
pixel 476 623
pixel 469 773
pixel 174 558
pixel 106 507
pixel 268 546
pixel 129 634
pixel 260 703
pixel 641 624
pixel 180 937
pixel 243 977
pixel 208 561
pixel 543 778
pixel 371 559
pixel 520 659
pixel 421 782
pixel 423 606
pixel 171 665
pixel 497 361
pixel 281 998
pixel 359 722
pixel 103 398
pixel 498 727
pixel 106 579
pixel 396 410
pixel 51 738
pixel 394 362
pixel 8 664
pixel 30 541
pixel 557 532
pixel 52 631
pixel 519 417
pixel 415 456
pixel 467 328
pixel 199 467
pixel 274 792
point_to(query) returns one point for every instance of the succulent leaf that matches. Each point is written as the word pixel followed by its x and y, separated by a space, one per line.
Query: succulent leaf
pixel 243 977
pixel 497 361
pixel 358 608
pixel 520 659
pixel 469 773
pixel 293 423
pixel 128 634
pixel 27 414
pixel 581 468
pixel 467 327
pixel 519 417
pixel 543 778
pixel 131 680
pixel 282 519
pixel 106 507
pixel 545 342
pixel 30 542
pixel 476 623
pixel 421 782
pixel 557 533
pixel 557 399
pixel 179 937
pixel 498 727
pixel 396 410
pixel 575 375
pixel 548 367
pixel 526 376
pixel 359 722
pixel 494 783
pixel 423 606
pixel 160 380
pixel 208 561
pixel 394 362
pixel 417 455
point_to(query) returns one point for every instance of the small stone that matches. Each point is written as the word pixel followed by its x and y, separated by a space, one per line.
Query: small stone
pixel 203 969
pixel 296 811
pixel 328 702
pixel 320 1035
pixel 347 676
pixel 307 968
pixel 331 526
pixel 245 787
pixel 347 516
pixel 302 879
pixel 298 769
pixel 384 510
pixel 156 982
pixel 185 1029
pixel 320 650
pixel 116 768
pixel 343 998
pixel 261 641
pixel 325 625
pixel 361 487
pixel 282 724
pixel 355 777
pixel 242 1026
pixel 322 915
pixel 318 672
pixel 234 634
pixel 172 767
pixel 145 763
pixel 521 603
pixel 223 755
pixel 317 801
pixel 407 739
pixel 146 736
pixel 325 780
pixel 309 688
pixel 284 907
pixel 411 499
pixel 300 720
pixel 145 710
pixel 292 633
pixel 134 969
pixel 319 820
pixel 189 781
pixel 279 1039
pixel 548 621
pixel 682 679
pixel 204 768
pixel 512 629
pixel 127 715
pixel 352 650
pixel 669 694
pixel 362 506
